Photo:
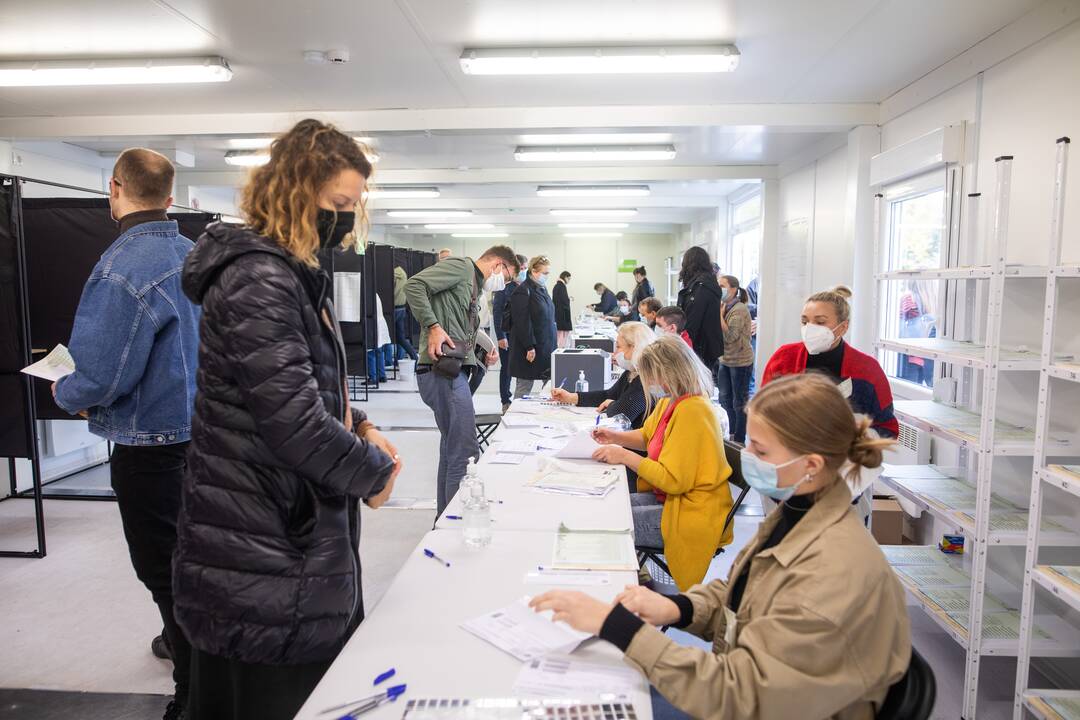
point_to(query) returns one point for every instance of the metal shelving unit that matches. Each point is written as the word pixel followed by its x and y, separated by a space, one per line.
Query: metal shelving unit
pixel 1061 581
pixel 1045 704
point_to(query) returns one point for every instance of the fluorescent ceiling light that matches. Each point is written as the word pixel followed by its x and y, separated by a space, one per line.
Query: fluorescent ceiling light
pixel 365 140
pixel 128 71
pixel 428 213
pixel 260 143
pixel 595 225
pixel 247 159
pixel 597 139
pixel 480 235
pixel 592 234
pixel 592 212
pixel 572 153
pixel 459 226
pixel 403 192
pixel 232 219
pixel 592 190
pixel 599 60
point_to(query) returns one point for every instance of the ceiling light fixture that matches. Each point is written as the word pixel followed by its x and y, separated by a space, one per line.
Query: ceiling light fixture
pixel 594 225
pixel 480 235
pixel 404 193
pixel 599 60
pixel 459 226
pixel 127 71
pixel 592 190
pixel 573 153
pixel 247 159
pixel 428 213
pixel 592 212
pixel 613 138
pixel 592 234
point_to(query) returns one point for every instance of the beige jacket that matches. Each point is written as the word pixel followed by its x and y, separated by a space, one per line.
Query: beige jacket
pixel 821 632
pixel 737 349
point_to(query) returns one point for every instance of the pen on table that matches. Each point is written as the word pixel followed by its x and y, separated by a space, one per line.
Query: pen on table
pixel 358 707
pixel 433 556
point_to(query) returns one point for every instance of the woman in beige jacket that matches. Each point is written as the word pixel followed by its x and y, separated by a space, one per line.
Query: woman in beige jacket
pixel 811 623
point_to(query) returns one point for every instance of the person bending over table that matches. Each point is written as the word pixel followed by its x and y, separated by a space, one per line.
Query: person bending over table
pixel 683 495
pixel 627 395
pixel 811 622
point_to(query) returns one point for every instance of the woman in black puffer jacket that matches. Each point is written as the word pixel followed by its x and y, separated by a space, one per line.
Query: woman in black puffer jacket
pixel 701 298
pixel 266 574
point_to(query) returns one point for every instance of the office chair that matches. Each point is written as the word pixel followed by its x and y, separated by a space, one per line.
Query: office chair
pixel 912 696
pixel 732 452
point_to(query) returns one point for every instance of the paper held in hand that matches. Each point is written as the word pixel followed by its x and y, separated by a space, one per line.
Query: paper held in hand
pixel 524 633
pixel 53 366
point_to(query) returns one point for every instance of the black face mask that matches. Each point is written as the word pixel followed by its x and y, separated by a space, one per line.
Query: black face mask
pixel 331 231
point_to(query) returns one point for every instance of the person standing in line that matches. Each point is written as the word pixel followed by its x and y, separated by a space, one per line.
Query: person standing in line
pixel 608 304
pixel 564 321
pixel 135 344
pixel 401 316
pixel 642 289
pixel 671 320
pixel 444 253
pixel 443 299
pixel 700 298
pixel 533 334
pixel 737 364
pixel 647 310
pixel 267 568
pixel 500 318
pixel 752 293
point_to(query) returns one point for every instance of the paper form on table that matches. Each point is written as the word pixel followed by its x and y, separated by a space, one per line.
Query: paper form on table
pixel 524 633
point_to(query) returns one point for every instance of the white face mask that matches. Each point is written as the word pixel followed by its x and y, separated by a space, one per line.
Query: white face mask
pixel 624 309
pixel 496 282
pixel 624 362
pixel 817 338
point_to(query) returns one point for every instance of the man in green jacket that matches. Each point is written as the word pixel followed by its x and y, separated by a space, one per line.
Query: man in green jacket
pixel 402 332
pixel 444 300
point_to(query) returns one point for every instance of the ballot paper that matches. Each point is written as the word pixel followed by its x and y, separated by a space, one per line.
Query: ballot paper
pixel 523 633
pixel 1068 572
pixel 581 446
pixel 521 447
pixel 1001 625
pixel 1068 708
pixel 564 676
pixel 911 471
pixel 53 366
pixel 500 457
pixel 550 432
pixel 557 476
pixel 1074 469
pixel 593 550
pixel 521 420
pixel 924 576
pixel 913 555
pixel 954 600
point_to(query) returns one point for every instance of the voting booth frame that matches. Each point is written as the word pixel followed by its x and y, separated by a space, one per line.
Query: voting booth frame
pixel 48 247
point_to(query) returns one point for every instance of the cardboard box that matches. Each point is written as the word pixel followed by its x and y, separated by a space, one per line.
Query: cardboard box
pixel 887 524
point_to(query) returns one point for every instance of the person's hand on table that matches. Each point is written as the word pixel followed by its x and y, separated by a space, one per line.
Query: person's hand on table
pixel 604 406
pixel 531 355
pixel 564 396
pixel 652 607
pixel 578 610
pixel 504 345
pixel 603 436
pixel 436 337
pixel 611 454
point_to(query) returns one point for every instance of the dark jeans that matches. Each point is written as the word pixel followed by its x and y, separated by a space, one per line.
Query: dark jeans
pixel 753 380
pixel 664 710
pixel 733 386
pixel 233 690
pixel 401 331
pixel 452 404
pixel 504 376
pixel 146 480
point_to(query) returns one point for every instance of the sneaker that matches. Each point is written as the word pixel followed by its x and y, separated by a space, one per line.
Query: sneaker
pixel 160 647
pixel 174 711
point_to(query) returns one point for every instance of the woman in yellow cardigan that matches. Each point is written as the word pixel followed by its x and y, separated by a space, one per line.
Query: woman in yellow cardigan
pixel 683 495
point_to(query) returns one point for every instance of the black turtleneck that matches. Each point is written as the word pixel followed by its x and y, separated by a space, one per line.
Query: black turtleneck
pixel 142 216
pixel 828 362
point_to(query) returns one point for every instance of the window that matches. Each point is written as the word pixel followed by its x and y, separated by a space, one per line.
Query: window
pixel 744 229
pixel 914 222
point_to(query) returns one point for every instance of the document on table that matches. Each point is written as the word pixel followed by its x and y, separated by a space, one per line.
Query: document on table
pixel 522 447
pixel 581 446
pixel 912 555
pixel 954 600
pixel 593 550
pixel 523 633
pixel 549 432
pixel 53 366
pixel 924 576
pixel 520 420
pixel 555 578
pixel 501 457
pixel 579 482
pixel 564 676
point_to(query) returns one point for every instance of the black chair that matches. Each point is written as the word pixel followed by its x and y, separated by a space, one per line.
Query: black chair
pixel 486 425
pixel 912 696
pixel 733 453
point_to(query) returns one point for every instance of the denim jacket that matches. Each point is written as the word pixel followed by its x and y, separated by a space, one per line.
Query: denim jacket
pixel 136 341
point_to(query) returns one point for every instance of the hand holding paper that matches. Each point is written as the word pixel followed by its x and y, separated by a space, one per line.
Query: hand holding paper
pixel 55 365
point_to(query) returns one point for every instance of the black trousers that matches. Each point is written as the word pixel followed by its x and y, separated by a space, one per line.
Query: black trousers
pixel 146 480
pixel 233 690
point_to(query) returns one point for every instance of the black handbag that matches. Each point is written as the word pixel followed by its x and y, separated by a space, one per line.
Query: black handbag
pixel 449 362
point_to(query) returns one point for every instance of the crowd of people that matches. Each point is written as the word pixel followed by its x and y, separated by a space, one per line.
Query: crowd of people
pixel 238 484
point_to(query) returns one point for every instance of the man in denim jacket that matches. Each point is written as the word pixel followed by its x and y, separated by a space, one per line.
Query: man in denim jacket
pixel 135 343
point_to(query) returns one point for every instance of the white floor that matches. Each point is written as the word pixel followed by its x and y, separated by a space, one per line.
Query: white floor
pixel 79 619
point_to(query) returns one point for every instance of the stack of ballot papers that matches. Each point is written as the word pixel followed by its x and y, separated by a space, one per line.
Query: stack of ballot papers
pixel 567 479
pixel 594 550
pixel 519 630
pixel 565 676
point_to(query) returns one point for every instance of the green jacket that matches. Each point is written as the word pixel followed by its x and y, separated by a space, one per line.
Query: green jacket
pixel 442 294
pixel 399 286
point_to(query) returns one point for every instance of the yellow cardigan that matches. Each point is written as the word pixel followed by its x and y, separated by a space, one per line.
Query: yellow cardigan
pixel 692 471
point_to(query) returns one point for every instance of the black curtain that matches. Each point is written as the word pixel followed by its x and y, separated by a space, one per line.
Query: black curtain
pixel 384 281
pixel 15 441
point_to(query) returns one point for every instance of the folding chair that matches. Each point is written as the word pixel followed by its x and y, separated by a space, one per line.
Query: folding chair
pixel 485 428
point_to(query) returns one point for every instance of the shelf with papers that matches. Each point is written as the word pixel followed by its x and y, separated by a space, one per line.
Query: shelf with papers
pixel 1065 477
pixel 946 605
pixel 965 272
pixel 962 427
pixel 963 353
pixel 1062 581
pixel 1053 704
pixel 1064 370
pixel 951 499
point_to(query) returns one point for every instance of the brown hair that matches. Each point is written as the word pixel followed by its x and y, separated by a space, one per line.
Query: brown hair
pixel 280 199
pixel 651 304
pixel 670 361
pixel 504 253
pixel 740 292
pixel 146 176
pixel 838 297
pixel 673 315
pixel 810 416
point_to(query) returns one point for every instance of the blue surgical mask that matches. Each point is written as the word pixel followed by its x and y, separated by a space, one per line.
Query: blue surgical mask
pixel 725 293
pixel 542 280
pixel 521 276
pixel 762 476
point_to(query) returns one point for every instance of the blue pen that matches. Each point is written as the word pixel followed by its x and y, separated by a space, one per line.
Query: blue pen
pixel 452 517
pixel 598 420
pixel 433 556
pixel 359 707
pixel 561 383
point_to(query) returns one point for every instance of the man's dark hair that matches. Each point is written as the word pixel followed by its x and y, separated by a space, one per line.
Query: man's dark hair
pixel 673 315
pixel 621 295
pixel 504 253
pixel 599 286
pixel 522 261
pixel 146 176
pixel 564 275
pixel 651 304
pixel 641 271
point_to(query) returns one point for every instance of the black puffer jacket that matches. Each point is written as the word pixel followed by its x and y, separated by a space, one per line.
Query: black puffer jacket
pixel 266 568
pixel 701 300
pixel 533 328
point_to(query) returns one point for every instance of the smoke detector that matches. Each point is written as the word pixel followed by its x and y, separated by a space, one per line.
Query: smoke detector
pixel 332 57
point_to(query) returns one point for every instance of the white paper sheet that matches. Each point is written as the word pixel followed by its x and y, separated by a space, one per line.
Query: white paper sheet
pixel 348 299
pixel 505 458
pixel 580 446
pixel 913 555
pixel 593 549
pixel 521 447
pixel 523 633
pixel 550 432
pixel 569 677
pixel 53 366
pixel 559 578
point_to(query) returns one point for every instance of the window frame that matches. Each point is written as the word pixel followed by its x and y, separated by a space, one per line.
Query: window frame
pixel 740 197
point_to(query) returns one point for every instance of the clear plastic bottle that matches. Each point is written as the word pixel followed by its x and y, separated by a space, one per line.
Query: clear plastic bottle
pixel 582 385
pixel 477 516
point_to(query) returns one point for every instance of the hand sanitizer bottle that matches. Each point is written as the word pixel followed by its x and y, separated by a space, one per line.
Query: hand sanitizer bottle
pixel 477 518
pixel 582 385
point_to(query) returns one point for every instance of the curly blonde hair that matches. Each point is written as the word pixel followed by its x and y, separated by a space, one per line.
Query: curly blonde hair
pixel 280 199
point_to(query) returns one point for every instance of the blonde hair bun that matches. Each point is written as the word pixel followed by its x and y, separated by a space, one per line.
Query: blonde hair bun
pixel 843 291
pixel 866 447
